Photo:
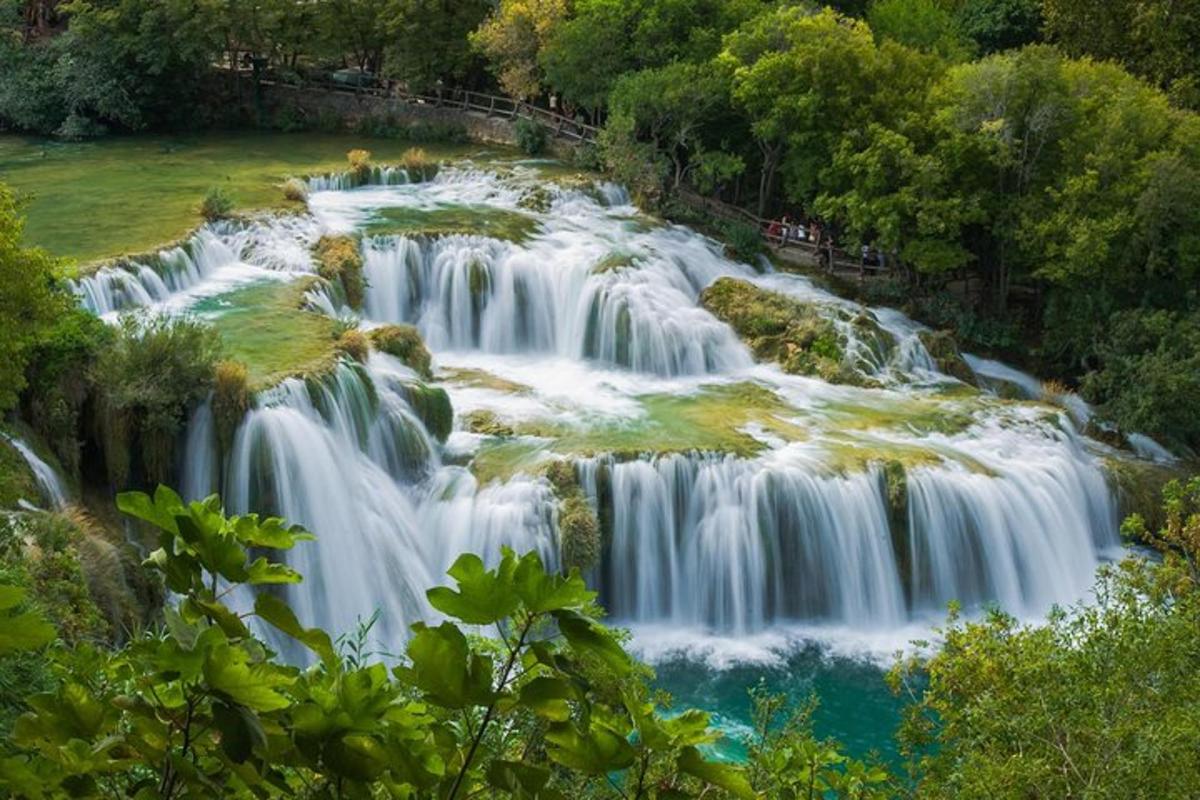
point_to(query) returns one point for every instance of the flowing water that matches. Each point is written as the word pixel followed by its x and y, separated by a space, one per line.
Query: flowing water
pixel 755 523
pixel 50 483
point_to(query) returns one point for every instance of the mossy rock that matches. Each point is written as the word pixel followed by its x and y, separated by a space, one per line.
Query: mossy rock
pixel 536 199
pixel 943 348
pixel 455 220
pixel 782 329
pixel 432 406
pixel 405 343
pixel 231 400
pixel 578 524
pixel 481 379
pixel 613 262
pixel 418 165
pixel 486 423
pixel 354 343
pixel 339 261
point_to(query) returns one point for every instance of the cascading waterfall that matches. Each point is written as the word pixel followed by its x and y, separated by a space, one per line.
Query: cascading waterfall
pixel 219 250
pixel 1013 507
pixel 468 292
pixel 53 489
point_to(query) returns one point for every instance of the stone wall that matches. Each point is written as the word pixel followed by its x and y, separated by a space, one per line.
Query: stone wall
pixel 351 108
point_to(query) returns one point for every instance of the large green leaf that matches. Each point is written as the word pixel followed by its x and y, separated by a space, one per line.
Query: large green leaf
pixel 241 731
pixel 586 637
pixel 159 511
pixel 723 776
pixel 22 631
pixel 594 751
pixel 483 596
pixel 279 614
pixel 547 697
pixel 444 667
pixel 272 532
pixel 256 685
pixel 542 592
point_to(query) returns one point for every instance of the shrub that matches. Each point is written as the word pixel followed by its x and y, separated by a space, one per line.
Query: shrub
pixel 404 342
pixel 743 242
pixel 442 132
pixel 230 401
pixel 147 379
pixel 217 204
pixel 340 262
pixel 532 136
pixel 418 165
pixel 295 190
pixel 360 164
pixel 354 344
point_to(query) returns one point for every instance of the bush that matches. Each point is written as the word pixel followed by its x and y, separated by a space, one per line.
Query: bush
pixel 354 343
pixel 230 401
pixel 360 164
pixel 532 136
pixel 147 380
pixel 217 204
pixel 744 242
pixel 1149 381
pixel 295 190
pixel 418 165
pixel 404 342
pixel 439 132
pixel 340 262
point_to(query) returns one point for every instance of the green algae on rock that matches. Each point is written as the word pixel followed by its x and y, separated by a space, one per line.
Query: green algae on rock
pixel 781 329
pixel 454 220
pixel 405 343
pixel 943 347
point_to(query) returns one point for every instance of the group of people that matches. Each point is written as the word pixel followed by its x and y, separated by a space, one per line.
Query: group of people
pixel 785 230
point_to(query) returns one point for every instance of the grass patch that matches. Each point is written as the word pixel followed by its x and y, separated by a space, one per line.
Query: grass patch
pixel 482 379
pixel 502 459
pixel 265 327
pixel 494 223
pixel 709 420
pixel 118 195
pixel 917 415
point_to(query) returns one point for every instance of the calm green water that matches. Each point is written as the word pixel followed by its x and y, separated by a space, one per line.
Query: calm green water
pixel 856 706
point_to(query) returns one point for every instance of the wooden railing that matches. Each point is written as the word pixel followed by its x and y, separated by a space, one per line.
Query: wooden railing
pixel 489 105
pixel 826 253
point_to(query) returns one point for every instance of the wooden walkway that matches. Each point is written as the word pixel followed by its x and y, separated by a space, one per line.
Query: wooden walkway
pixel 802 251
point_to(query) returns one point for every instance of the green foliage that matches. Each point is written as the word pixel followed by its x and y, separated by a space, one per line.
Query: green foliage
pixel 781 329
pixel 147 380
pixel 1149 379
pixel 404 342
pixel 29 300
pixel 531 135
pixel 996 25
pixel 1096 701
pixel 926 25
pixel 744 242
pixel 202 708
pixel 442 28
pixel 217 204
pixel 340 262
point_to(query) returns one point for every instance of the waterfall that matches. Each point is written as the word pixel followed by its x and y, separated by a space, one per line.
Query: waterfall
pixel 344 181
pixel 865 510
pixel 53 489
pixel 469 292
pixel 216 256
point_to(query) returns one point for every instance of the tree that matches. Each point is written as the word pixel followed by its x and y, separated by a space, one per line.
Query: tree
pixel 431 40
pixel 30 299
pixel 1102 700
pixel 924 24
pixel 996 25
pixel 512 39
pixel 802 78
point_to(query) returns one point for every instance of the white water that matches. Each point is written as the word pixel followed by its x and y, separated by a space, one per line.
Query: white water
pixel 1009 505
pixel 53 489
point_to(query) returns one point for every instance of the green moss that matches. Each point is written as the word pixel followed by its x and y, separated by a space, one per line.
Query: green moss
pixel 17 481
pixel 781 329
pixel 231 400
pixel 481 379
pixel 709 420
pixel 486 423
pixel 1139 486
pixel 501 459
pixel 943 347
pixel 432 406
pixel 613 262
pixel 137 192
pixel 339 261
pixel 536 199
pixel 480 279
pixel 265 327
pixel 450 220
pixel 915 414
pixel 404 342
